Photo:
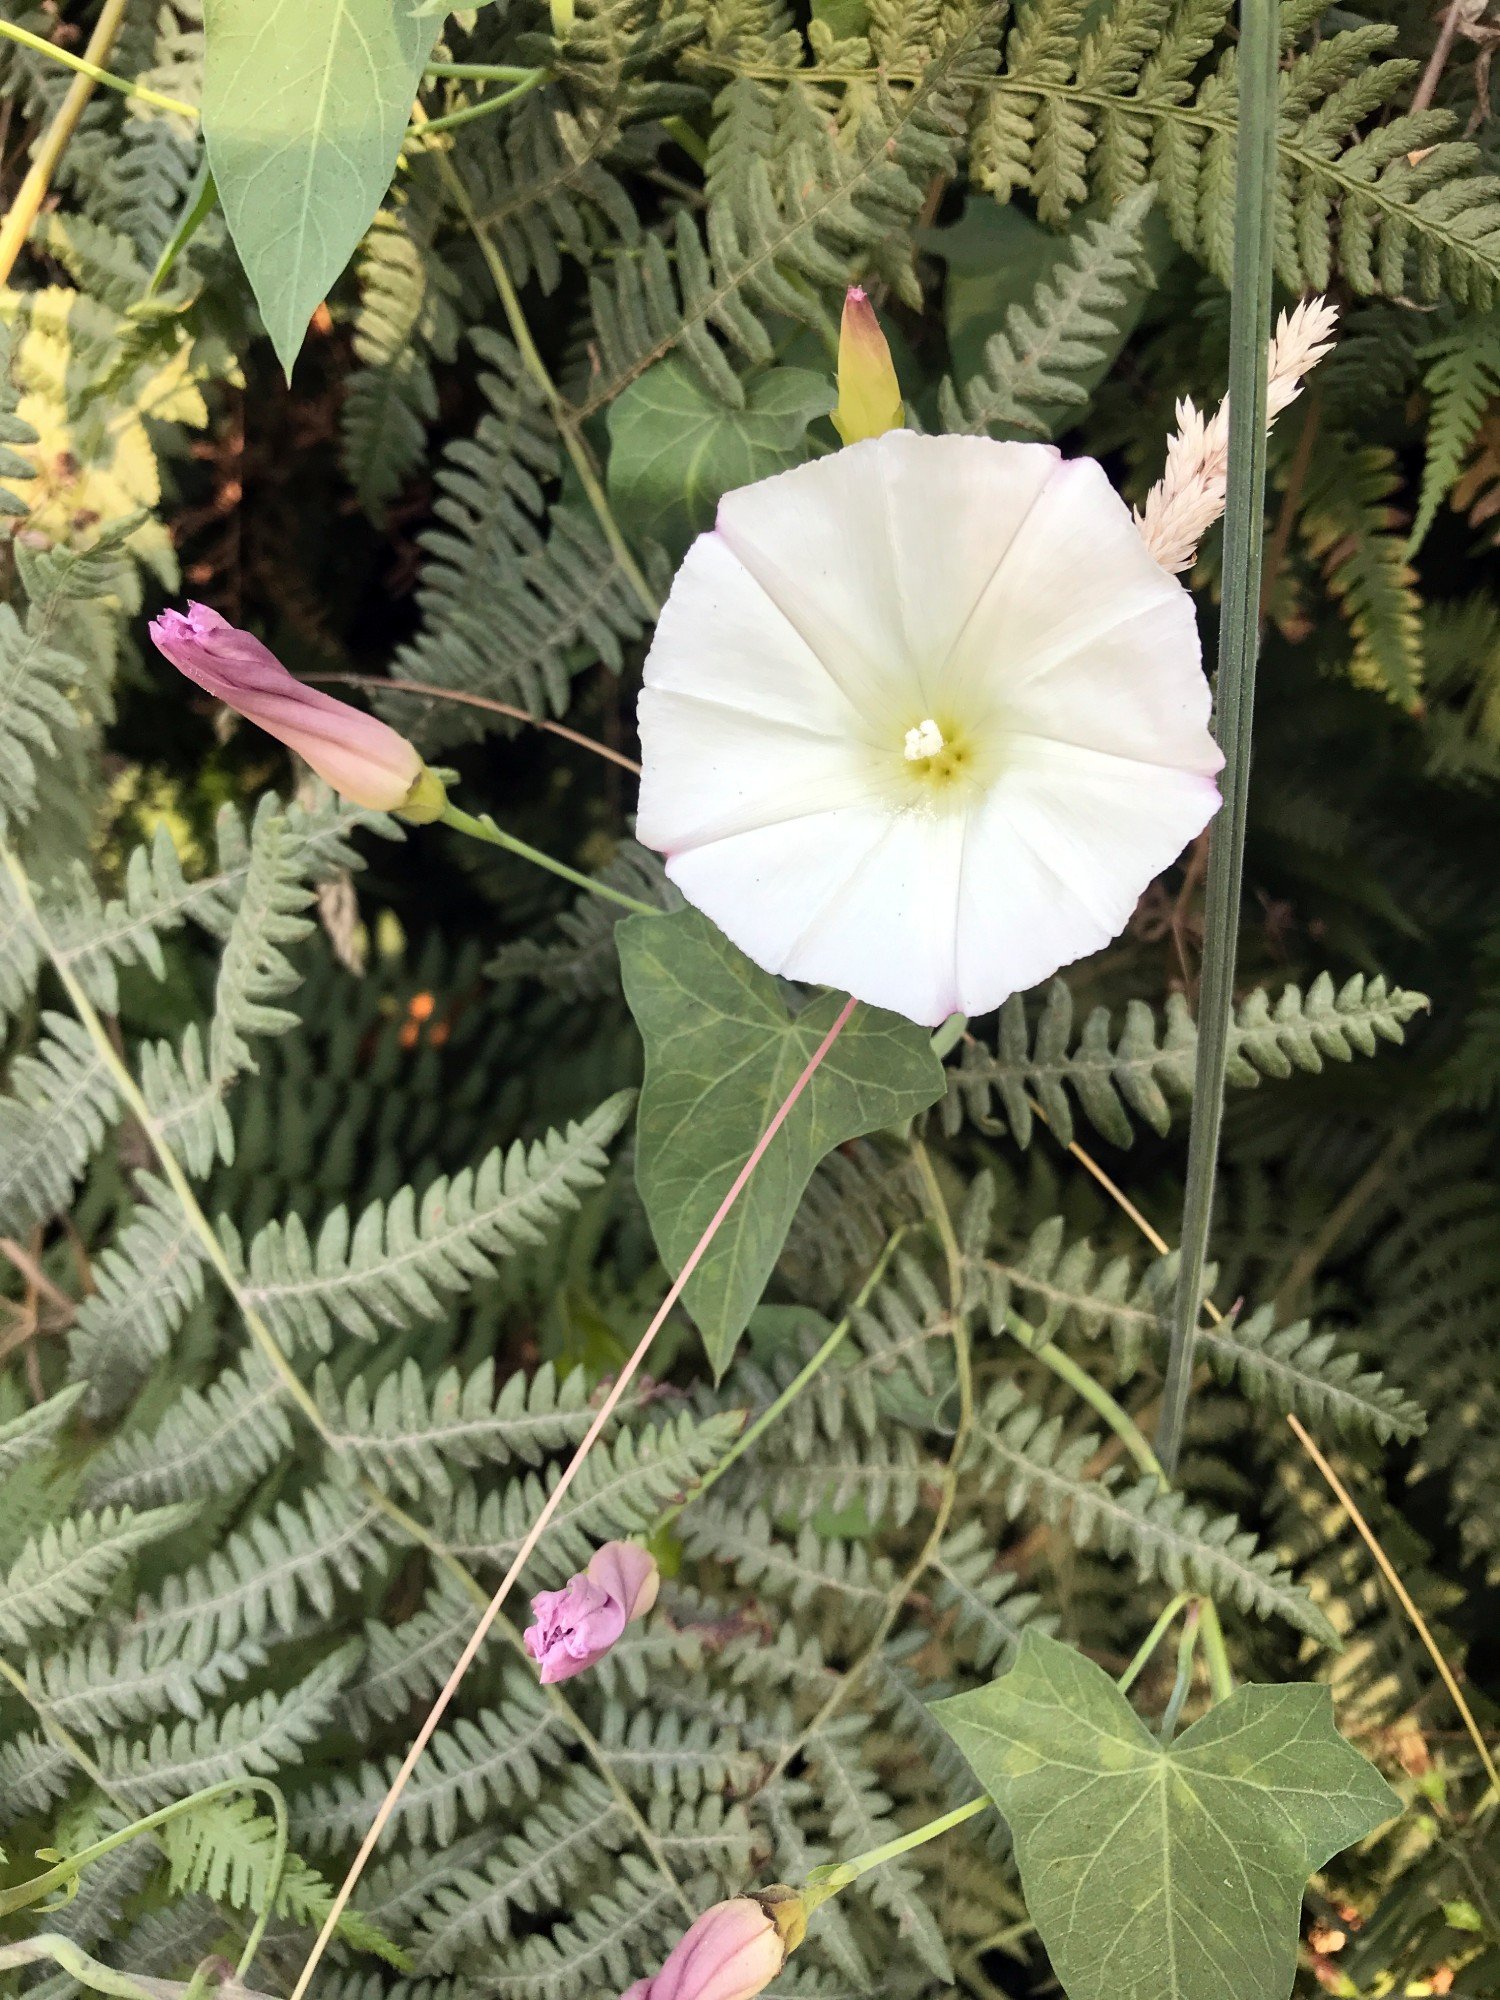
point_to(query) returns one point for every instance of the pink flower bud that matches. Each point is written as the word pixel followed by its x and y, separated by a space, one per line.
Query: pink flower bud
pixel 733 1951
pixel 578 1625
pixel 360 756
pixel 869 395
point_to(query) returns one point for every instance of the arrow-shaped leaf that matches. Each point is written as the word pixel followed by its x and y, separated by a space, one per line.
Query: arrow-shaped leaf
pixel 1157 1873
pixel 721 1054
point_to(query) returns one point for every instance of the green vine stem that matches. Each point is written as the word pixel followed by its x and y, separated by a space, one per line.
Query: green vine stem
pixel 49 1948
pixel 127 86
pixel 793 1388
pixel 1187 1647
pixel 485 829
pixel 1151 1641
pixel 449 121
pixel 1239 639
pixel 65 1872
pixel 1104 1405
pixel 562 413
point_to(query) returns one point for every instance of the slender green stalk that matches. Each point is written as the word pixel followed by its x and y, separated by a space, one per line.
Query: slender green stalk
pixel 827 1881
pixel 793 1388
pixel 63 1952
pixel 486 830
pixel 1114 1414
pixel 1151 1641
pixel 483 72
pixel 1211 1633
pixel 564 416
pixel 449 121
pixel 127 86
pixel 1244 526
pixel 1187 1647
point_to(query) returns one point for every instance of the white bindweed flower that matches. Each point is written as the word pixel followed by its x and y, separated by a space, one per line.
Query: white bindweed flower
pixel 922 719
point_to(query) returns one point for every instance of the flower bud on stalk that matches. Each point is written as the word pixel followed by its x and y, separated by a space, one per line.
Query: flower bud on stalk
pixel 361 757
pixel 869 395
pixel 732 1952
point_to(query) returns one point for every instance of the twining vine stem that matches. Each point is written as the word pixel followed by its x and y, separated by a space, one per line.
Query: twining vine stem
pixel 486 830
pixel 554 1499
pixel 1244 529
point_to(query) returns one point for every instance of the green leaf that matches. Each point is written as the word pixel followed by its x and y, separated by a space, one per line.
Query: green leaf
pixel 676 449
pixel 721 1054
pixel 305 104
pixel 1157 1873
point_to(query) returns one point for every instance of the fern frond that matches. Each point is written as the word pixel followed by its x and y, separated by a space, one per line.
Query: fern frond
pixel 145 1284
pixel 582 963
pixel 1351 527
pixel 620 1489
pixel 1040 364
pixel 501 561
pixel 1148 1068
pixel 1462 379
pixel 859 1818
pixel 1394 203
pixel 259 1582
pixel 67 1569
pixel 472 1767
pixel 559 1847
pixel 33 1772
pixel 35 1429
pixel 258 1736
pixel 675 1757
pixel 62 1102
pixel 13 431
pixel 404 1256
pixel 226 1849
pixel 1294 1368
pixel 600 1945
pixel 1166 1535
pixel 989 1611
pixel 406 320
pixel 215 1440
pixel 411 1436
pixel 773 241
pixel 105 1683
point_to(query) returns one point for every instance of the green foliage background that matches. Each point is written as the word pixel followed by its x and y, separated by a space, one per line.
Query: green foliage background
pixel 245 1512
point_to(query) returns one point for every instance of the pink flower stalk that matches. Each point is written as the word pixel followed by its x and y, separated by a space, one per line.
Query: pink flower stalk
pixel 577 1626
pixel 360 756
pixel 732 1952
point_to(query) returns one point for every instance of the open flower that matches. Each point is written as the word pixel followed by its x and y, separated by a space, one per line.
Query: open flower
pixel 731 1952
pixel 577 1625
pixel 360 756
pixel 922 719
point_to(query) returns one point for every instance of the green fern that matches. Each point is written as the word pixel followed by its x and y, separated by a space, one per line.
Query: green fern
pixel 1462 378
pixel 68 1569
pixel 1148 1068
pixel 1166 1535
pixel 1040 363
pixel 1351 527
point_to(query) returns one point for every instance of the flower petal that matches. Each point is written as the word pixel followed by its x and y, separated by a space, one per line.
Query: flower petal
pixel 860 898
pixel 1075 580
pixel 879 553
pixel 1059 854
pixel 712 772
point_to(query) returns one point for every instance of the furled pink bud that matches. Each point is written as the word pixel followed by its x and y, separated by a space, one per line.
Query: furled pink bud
pixel 360 756
pixel 869 395
pixel 578 1625
pixel 733 1951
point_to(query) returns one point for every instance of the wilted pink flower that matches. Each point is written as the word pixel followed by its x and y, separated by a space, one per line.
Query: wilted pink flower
pixel 733 1951
pixel 578 1625
pixel 360 756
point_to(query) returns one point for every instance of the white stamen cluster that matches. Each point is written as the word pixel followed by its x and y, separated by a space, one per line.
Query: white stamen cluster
pixel 926 740
pixel 1189 497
